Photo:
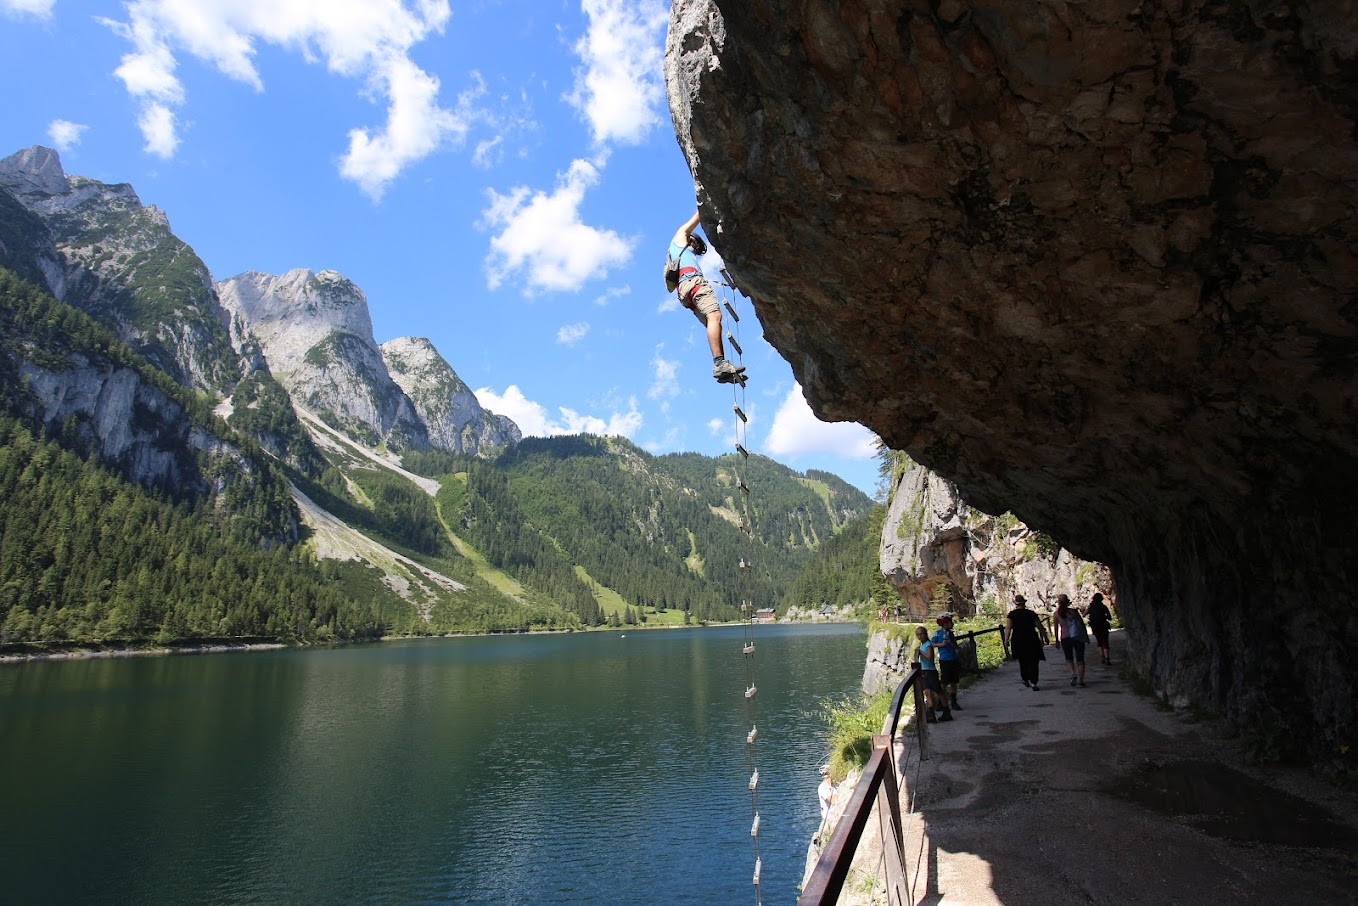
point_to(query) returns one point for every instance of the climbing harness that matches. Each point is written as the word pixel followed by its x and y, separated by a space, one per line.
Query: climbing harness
pixel 747 612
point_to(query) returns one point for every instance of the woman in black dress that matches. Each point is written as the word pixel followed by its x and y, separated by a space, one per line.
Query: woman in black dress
pixel 1027 638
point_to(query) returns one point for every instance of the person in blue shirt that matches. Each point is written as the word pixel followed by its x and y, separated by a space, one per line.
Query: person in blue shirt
pixel 949 660
pixel 696 295
pixel 933 690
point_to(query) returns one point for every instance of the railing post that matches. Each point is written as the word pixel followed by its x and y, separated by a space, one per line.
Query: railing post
pixel 1004 640
pixel 889 808
pixel 921 715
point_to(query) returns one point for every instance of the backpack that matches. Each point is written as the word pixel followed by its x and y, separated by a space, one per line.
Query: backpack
pixel 671 273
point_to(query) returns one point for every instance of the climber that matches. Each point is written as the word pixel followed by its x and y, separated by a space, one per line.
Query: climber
pixel 696 295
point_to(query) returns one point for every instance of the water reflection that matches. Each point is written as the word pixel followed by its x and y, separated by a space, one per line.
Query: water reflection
pixel 565 769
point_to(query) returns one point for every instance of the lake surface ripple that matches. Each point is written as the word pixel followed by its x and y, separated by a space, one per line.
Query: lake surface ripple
pixel 584 768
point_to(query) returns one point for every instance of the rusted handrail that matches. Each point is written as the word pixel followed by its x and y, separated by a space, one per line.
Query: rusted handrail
pixel 893 717
pixel 878 784
pixel 1004 637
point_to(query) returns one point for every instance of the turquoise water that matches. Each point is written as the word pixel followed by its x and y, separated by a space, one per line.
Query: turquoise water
pixel 586 768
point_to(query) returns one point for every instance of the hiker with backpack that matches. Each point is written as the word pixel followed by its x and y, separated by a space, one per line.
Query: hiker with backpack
pixel 1068 628
pixel 683 274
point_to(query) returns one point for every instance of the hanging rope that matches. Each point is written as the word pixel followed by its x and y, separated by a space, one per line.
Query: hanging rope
pixel 745 508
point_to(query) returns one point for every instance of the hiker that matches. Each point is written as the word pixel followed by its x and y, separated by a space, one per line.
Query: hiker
pixel 1100 621
pixel 934 699
pixel 1069 629
pixel 696 295
pixel 949 658
pixel 825 794
pixel 1027 638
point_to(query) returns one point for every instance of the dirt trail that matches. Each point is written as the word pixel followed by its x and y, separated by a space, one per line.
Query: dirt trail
pixel 1098 795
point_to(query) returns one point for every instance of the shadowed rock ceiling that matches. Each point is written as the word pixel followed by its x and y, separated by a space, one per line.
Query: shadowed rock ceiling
pixel 1097 264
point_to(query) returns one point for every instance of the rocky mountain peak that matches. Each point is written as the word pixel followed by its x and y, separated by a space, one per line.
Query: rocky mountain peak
pixel 35 177
pixel 315 332
pixel 454 417
pixel 416 356
pixel 98 248
pixel 294 311
pixel 34 171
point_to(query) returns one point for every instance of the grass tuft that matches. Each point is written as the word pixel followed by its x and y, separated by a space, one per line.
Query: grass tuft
pixel 852 723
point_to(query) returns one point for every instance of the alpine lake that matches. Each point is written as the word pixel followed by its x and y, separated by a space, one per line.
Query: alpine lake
pixel 600 767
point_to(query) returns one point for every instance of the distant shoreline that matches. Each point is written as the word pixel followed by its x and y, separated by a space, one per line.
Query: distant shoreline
pixel 81 653
pixel 92 651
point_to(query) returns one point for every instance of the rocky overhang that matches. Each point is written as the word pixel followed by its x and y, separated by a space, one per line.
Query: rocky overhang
pixel 1097 264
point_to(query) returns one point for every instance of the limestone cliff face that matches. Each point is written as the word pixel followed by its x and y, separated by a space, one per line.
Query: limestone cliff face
pixel 941 554
pixel 315 332
pixel 888 662
pixel 450 411
pixel 131 425
pixel 1095 264
pixel 98 248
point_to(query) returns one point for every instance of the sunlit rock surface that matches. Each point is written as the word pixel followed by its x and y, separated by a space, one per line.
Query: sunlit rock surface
pixel 315 331
pixel 97 247
pixel 454 418
pixel 942 555
pixel 1095 263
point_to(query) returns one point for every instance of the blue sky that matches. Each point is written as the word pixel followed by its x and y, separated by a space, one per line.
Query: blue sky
pixel 500 176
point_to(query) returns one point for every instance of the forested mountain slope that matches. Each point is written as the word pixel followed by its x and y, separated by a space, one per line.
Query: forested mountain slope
pixel 128 511
pixel 583 514
pixel 183 460
pixel 662 532
pixel 133 512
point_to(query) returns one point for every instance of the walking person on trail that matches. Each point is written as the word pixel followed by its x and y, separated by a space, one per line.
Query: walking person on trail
pixel 696 295
pixel 1100 621
pixel 934 699
pixel 1072 636
pixel 1027 637
pixel 949 659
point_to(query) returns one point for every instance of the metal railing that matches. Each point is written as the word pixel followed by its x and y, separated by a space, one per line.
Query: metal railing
pixel 880 787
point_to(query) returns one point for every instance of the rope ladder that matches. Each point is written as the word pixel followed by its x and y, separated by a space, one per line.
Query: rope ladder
pixel 745 508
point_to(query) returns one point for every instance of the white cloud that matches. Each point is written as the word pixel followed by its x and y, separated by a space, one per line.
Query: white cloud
pixel 665 379
pixel 366 40
pixel 40 9
pixel 615 292
pixel 669 442
pixel 65 134
pixel 416 126
pixel 543 236
pixel 797 431
pixel 731 430
pixel 533 418
pixel 711 262
pixel 671 303
pixel 620 87
pixel 570 334
pixel 488 152
pixel 157 123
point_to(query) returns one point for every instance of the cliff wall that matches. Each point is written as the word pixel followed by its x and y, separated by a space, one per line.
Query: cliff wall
pixel 1096 264
pixel 941 554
